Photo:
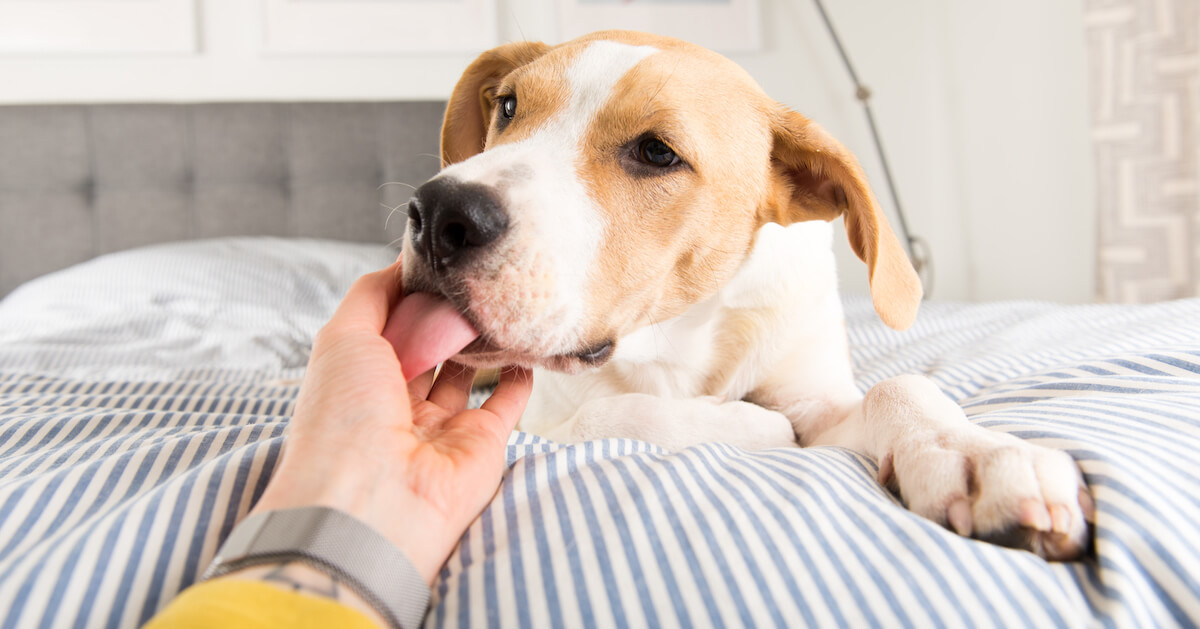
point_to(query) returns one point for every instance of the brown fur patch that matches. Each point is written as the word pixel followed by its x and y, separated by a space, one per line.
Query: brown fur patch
pixel 815 177
pixel 470 108
pixel 674 237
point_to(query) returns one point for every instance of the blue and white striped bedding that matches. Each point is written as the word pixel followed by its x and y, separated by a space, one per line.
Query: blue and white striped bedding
pixel 143 397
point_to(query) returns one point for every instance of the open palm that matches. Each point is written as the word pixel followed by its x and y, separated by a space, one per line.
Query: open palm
pixel 410 460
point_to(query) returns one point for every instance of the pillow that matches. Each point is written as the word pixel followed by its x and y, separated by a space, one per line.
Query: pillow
pixel 244 304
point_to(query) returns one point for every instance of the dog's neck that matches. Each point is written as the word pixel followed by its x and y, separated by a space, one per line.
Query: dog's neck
pixel 725 346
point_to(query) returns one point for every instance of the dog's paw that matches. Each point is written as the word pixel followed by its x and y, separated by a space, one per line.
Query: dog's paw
pixel 994 487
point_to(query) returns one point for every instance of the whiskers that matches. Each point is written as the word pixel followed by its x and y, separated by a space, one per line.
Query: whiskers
pixel 391 210
pixel 397 276
pixel 656 330
pixel 524 375
pixel 395 183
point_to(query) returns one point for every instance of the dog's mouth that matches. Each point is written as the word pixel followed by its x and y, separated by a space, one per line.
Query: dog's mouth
pixel 486 352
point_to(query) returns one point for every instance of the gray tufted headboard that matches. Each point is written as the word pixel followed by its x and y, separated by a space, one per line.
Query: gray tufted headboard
pixel 79 181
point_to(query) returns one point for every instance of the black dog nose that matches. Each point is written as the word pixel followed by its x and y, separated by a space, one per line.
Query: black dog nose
pixel 451 219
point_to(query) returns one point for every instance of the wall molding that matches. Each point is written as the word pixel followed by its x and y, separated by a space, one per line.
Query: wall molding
pixel 158 27
pixel 378 26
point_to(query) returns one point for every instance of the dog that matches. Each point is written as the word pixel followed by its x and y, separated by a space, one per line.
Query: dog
pixel 633 216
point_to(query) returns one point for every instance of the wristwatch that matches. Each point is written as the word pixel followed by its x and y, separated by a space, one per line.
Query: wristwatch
pixel 338 544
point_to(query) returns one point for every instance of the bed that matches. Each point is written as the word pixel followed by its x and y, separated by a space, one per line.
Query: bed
pixel 144 394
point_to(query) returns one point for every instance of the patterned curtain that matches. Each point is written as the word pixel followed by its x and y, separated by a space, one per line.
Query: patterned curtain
pixel 1144 58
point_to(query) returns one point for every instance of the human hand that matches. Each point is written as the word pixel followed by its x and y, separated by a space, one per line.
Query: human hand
pixel 409 460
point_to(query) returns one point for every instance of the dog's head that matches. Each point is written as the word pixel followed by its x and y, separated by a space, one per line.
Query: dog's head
pixel 610 182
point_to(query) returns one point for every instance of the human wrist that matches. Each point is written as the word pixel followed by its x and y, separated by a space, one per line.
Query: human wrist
pixel 334 543
pixel 409 524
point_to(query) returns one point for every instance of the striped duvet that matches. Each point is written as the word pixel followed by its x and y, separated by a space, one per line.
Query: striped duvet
pixel 143 397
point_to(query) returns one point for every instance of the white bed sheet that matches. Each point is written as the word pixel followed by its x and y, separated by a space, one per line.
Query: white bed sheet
pixel 143 398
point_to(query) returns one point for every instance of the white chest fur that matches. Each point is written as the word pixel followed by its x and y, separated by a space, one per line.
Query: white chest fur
pixel 782 303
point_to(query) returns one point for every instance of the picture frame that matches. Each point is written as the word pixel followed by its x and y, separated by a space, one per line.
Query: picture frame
pixel 378 26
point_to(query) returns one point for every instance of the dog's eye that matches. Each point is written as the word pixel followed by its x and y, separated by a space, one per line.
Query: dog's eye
pixel 508 107
pixel 655 152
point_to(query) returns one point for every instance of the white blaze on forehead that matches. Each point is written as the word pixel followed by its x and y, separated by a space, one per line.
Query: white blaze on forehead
pixel 592 77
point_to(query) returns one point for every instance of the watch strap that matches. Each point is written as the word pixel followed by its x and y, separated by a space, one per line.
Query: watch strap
pixel 337 544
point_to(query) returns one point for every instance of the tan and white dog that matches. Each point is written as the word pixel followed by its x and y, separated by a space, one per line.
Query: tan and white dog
pixel 633 214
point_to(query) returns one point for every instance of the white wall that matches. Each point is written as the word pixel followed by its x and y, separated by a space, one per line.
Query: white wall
pixel 982 108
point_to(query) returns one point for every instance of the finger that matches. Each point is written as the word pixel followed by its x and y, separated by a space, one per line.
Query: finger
pixel 491 424
pixel 508 400
pixel 369 301
pixel 452 387
pixel 418 388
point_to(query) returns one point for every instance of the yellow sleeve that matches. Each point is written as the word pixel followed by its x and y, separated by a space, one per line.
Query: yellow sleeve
pixel 245 604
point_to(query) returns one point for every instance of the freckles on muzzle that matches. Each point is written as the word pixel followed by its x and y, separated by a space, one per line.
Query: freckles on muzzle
pixel 513 300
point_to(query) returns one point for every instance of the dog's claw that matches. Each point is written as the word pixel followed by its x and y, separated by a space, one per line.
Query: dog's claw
pixel 960 518
pixel 1060 519
pixel 1087 504
pixel 885 470
pixel 1033 515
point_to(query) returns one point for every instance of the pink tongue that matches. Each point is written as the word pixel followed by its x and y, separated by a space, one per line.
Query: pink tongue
pixel 425 330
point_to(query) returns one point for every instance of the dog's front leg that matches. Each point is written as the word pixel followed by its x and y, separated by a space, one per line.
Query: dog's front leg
pixel 675 423
pixel 985 484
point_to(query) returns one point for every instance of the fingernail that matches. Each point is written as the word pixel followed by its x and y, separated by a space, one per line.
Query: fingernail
pixel 959 515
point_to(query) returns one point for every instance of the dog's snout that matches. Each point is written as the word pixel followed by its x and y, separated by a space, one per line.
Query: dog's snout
pixel 452 219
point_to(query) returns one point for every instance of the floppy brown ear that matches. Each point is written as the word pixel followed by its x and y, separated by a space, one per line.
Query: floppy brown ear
pixel 814 177
pixel 468 113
